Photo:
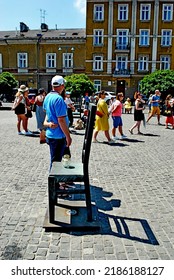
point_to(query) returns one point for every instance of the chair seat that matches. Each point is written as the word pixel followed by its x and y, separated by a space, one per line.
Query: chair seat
pixel 74 173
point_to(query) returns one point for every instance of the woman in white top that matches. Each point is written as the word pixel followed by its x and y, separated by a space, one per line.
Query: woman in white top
pixel 70 107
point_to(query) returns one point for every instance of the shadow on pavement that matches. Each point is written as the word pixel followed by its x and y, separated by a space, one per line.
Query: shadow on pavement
pixel 136 229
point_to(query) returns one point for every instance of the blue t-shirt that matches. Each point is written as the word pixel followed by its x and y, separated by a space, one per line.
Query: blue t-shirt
pixel 55 107
pixel 155 98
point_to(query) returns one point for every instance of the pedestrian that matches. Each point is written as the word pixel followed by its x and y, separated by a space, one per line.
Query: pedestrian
pixel 128 106
pixel 86 100
pixel 20 107
pixel 57 133
pixel 155 109
pixel 169 105
pixel 70 107
pixel 40 114
pixel 138 112
pixel 116 112
pixel 102 122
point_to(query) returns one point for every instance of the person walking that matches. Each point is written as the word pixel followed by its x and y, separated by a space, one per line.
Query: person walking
pixel 20 108
pixel 116 112
pixel 40 113
pixel 57 137
pixel 138 112
pixel 101 122
pixel 70 107
pixel 169 104
pixel 155 109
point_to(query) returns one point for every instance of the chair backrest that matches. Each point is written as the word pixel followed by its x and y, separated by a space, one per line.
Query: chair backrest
pixel 88 136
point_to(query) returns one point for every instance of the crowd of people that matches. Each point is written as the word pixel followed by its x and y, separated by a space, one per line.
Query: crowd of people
pixel 54 115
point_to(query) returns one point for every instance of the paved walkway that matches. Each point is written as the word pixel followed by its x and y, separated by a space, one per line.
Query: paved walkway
pixel 132 184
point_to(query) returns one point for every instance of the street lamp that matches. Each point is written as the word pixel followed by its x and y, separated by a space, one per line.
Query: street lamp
pixel 67 59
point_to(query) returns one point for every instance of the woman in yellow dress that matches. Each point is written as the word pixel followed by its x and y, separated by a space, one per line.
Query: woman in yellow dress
pixel 102 122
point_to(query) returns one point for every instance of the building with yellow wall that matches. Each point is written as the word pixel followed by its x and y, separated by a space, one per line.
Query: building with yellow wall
pixel 126 40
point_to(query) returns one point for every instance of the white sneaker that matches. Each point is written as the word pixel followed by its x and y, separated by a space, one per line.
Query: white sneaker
pixel 111 141
pixel 28 133
pixel 115 138
pixel 123 136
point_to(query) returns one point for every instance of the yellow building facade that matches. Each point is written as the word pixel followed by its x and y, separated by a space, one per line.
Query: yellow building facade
pixel 126 40
pixel 35 56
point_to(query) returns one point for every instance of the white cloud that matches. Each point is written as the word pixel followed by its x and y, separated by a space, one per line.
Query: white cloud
pixel 81 6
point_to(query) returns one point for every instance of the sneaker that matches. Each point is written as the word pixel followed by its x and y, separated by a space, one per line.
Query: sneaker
pixel 20 133
pixel 28 133
pixel 123 137
pixel 94 141
pixel 111 141
pixel 115 138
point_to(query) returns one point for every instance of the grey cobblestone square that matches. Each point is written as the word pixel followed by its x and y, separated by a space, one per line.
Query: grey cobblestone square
pixel 132 185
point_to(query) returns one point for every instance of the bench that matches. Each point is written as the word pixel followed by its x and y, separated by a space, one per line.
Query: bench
pixel 76 172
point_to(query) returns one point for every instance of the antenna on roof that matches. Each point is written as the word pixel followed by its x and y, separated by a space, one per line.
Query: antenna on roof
pixel 42 16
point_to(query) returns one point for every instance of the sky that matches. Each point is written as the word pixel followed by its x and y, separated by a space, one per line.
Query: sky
pixel 63 13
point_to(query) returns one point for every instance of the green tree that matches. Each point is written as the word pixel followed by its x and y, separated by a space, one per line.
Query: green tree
pixel 7 83
pixel 78 84
pixel 160 79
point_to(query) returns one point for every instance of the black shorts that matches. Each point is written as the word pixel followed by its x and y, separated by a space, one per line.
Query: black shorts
pixel 20 109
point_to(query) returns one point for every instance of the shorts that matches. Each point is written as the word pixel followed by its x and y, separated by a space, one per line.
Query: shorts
pixel 117 121
pixel 155 110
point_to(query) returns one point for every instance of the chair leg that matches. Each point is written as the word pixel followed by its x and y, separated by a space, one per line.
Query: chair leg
pixel 52 198
pixel 88 199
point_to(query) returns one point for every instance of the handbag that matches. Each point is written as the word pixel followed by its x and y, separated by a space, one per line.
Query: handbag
pixel 98 113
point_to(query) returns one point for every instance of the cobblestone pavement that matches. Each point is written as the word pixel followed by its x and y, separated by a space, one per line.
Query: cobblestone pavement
pixel 132 185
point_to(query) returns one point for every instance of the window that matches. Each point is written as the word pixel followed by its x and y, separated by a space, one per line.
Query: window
pixel 122 39
pixel 144 37
pixel 121 62
pixel 165 62
pixel 98 37
pixel 98 63
pixel 167 14
pixel 22 60
pixel 143 63
pixel 51 60
pixel 99 12
pixel 0 62
pixel 145 11
pixel 97 85
pixel 123 12
pixel 166 37
pixel 68 60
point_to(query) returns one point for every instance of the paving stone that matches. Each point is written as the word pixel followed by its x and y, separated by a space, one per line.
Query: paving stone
pixel 134 196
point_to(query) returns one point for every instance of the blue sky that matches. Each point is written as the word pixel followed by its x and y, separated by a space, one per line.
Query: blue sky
pixel 63 13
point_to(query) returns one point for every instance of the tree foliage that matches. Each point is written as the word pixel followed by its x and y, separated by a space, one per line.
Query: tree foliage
pixel 7 83
pixel 78 84
pixel 160 79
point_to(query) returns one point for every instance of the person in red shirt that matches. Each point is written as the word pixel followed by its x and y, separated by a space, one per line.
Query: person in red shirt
pixel 116 112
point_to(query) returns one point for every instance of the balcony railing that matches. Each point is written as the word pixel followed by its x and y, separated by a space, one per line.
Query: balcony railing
pixel 122 46
pixel 121 72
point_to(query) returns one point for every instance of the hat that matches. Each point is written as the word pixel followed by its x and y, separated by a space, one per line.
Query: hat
pixel 68 92
pixel 23 88
pixel 57 81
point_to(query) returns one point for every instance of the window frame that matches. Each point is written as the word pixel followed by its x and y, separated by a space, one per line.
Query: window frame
pixel 163 12
pixel 164 38
pixel 100 14
pixel 22 62
pixel 98 37
pixel 141 12
pixel 97 85
pixel 144 38
pixel 98 65
pixel 165 62
pixel 122 12
pixel 143 69
pixel 68 62
pixel 121 62
pixel 51 60
pixel 120 45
